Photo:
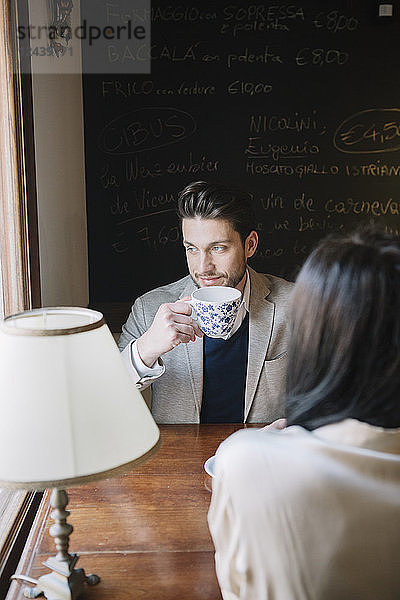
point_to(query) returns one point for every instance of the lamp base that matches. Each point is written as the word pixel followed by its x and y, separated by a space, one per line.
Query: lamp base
pixel 63 583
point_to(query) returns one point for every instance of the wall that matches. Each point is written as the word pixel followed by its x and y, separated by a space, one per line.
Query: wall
pixel 58 129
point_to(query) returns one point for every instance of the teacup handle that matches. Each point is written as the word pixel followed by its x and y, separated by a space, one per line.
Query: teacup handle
pixel 193 315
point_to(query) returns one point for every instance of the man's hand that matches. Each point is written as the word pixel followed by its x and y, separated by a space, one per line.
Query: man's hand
pixel 172 326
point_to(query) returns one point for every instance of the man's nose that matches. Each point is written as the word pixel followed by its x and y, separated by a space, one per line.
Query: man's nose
pixel 206 263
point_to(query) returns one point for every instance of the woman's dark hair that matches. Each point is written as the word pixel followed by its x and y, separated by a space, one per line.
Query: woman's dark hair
pixel 344 349
pixel 217 201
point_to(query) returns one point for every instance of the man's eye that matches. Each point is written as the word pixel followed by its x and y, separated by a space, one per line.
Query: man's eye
pixel 190 249
pixel 218 248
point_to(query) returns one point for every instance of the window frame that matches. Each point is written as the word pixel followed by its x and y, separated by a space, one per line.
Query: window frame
pixel 19 245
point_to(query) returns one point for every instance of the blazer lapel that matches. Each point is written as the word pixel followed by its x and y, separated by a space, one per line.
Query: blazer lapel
pixel 193 352
pixel 261 319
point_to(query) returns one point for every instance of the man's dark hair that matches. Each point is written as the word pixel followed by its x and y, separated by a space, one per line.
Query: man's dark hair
pixel 344 350
pixel 217 201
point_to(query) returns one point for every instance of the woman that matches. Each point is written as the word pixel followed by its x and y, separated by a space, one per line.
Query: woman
pixel 313 511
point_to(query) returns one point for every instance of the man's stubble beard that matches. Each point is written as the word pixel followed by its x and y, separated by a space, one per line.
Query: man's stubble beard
pixel 231 281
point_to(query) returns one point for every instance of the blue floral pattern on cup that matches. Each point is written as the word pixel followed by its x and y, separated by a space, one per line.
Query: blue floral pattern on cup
pixel 216 319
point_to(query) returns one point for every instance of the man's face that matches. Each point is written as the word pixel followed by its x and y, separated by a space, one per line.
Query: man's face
pixel 215 252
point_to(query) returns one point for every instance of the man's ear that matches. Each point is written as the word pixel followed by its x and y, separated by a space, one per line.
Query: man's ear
pixel 250 244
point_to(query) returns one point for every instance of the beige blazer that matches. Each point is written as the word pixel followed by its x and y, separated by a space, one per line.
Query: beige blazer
pixel 177 394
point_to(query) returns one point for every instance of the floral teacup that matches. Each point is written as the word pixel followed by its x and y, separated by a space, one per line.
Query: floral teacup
pixel 215 309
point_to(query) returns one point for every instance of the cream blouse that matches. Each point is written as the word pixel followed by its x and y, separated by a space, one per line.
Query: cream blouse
pixel 308 515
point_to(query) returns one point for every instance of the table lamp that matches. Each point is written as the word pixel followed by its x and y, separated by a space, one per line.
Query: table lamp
pixel 70 414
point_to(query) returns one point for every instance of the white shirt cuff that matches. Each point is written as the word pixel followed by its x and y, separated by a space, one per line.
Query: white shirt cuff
pixel 142 375
pixel 141 369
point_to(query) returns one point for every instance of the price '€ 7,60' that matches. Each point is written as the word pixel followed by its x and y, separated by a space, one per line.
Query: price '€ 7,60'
pixel 158 239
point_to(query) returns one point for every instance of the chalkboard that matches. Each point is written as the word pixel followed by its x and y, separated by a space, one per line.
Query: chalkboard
pixel 297 103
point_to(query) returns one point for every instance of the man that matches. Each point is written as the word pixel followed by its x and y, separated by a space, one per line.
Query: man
pixel 200 379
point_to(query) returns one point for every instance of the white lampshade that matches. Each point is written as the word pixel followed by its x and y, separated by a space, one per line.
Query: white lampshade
pixel 68 407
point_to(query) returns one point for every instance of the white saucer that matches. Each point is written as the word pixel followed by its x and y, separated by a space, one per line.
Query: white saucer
pixel 209 466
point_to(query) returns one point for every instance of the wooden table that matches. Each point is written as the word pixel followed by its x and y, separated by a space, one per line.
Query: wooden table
pixel 145 533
